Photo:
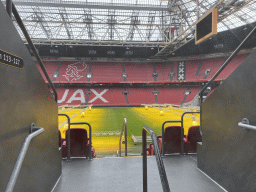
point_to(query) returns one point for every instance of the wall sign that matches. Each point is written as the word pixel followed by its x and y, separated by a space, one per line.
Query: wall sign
pixel 11 60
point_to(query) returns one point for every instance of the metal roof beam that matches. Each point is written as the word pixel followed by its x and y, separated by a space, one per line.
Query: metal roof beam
pixel 88 20
pixel 111 22
pixel 151 20
pixel 225 9
pixel 134 21
pixel 42 24
pixel 91 6
pixel 200 4
pixel 93 22
pixel 64 18
pixel 96 43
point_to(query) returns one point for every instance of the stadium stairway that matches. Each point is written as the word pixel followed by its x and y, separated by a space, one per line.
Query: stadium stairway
pixel 125 174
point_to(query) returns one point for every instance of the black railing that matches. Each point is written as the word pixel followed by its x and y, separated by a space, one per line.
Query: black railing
pixel 124 129
pixel 182 131
pixel 9 7
pixel 18 164
pixel 68 139
pixel 90 136
pixel 25 33
pixel 220 70
pixel 160 164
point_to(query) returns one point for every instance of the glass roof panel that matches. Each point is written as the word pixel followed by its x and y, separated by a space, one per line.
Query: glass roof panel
pixel 132 20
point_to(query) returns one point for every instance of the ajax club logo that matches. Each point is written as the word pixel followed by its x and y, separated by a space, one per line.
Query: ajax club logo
pixel 73 70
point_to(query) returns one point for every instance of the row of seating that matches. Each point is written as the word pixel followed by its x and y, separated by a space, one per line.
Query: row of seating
pixel 121 96
pixel 79 144
pixel 139 72
pixel 172 140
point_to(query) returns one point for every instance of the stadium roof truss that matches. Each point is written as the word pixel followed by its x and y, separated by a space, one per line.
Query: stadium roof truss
pixel 163 23
pixel 231 14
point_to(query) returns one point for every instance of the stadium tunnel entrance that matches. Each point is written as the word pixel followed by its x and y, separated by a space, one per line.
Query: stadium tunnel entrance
pixel 32 148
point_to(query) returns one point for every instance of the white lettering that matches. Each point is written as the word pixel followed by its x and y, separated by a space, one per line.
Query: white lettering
pixel 54 51
pixel 64 96
pixel 74 98
pixel 111 52
pixel 92 52
pixel 98 96
pixel 128 52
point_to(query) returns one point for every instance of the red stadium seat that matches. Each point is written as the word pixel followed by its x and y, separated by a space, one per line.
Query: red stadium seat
pixel 93 152
pixel 140 72
pixel 150 150
pixel 172 140
pixel 79 144
pixel 191 139
pixel 115 96
pixel 59 138
pixel 107 72
pixel 62 142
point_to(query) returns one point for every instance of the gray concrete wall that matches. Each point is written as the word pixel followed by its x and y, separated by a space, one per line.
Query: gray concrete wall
pixel 26 99
pixel 228 152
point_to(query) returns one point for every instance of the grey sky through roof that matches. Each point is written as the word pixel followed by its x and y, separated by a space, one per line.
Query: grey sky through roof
pixel 125 22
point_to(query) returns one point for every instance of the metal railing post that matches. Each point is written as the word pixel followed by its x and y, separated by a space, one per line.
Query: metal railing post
pixel 68 139
pixel 182 128
pixel 144 160
pixel 18 164
pixel 9 7
pixel 124 129
pixel 160 164
pixel 125 137
pixel 201 101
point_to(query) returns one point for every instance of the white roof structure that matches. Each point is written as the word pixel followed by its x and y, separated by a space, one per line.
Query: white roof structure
pixel 126 22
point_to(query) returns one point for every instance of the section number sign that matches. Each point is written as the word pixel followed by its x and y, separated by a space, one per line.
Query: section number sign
pixel 11 60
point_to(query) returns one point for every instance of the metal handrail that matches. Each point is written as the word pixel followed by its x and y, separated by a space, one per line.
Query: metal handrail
pixel 220 70
pixel 182 128
pixel 182 131
pixel 245 124
pixel 90 136
pixel 25 33
pixel 160 164
pixel 68 139
pixel 124 129
pixel 9 7
pixel 16 170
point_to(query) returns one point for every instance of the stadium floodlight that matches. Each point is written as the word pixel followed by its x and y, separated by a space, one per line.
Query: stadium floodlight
pixel 206 27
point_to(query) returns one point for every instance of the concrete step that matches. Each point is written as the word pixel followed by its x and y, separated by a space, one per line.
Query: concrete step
pixel 125 174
